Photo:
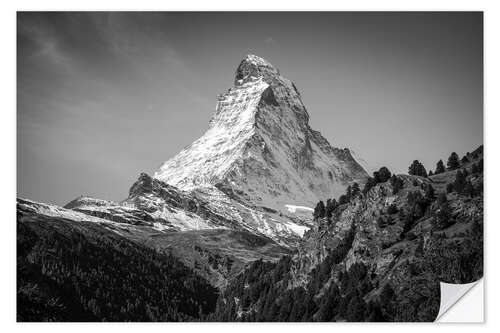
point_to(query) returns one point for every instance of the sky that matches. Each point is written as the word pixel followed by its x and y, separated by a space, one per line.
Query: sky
pixel 102 97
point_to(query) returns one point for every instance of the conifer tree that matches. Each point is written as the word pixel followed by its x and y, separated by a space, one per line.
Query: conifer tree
pixel 442 218
pixel 355 190
pixel 370 182
pixel 348 193
pixel 396 183
pixel 439 167
pixel 469 188
pixel 475 169
pixel 383 175
pixel 429 192
pixel 331 204
pixel 453 162
pixel 319 210
pixel 417 169
pixel 459 182
pixel 343 199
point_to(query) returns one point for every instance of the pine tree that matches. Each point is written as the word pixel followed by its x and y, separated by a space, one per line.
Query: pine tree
pixel 343 199
pixel 396 183
pixel 469 189
pixel 413 169
pixel 453 161
pixel 422 171
pixel 474 169
pixel 331 204
pixel 464 160
pixel 355 190
pixel 383 175
pixel 430 173
pixel 417 169
pixel 439 167
pixel 442 218
pixel 459 182
pixel 429 192
pixel 370 183
pixel 319 210
pixel 348 193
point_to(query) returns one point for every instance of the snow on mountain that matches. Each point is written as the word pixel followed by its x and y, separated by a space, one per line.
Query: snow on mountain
pixel 259 149
pixel 33 208
pixel 295 209
pixel 258 168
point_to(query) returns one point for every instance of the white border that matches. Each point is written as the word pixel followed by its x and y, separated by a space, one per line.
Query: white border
pixel 8 153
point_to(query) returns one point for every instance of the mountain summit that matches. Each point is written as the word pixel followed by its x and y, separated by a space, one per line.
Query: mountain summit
pixel 259 148
pixel 252 67
pixel 259 169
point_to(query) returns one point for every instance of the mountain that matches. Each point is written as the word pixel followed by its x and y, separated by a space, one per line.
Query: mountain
pixel 259 148
pixel 248 183
pixel 378 257
pixel 242 192
pixel 260 154
pixel 225 230
pixel 259 168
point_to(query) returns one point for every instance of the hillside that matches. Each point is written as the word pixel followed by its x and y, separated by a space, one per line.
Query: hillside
pixel 84 272
pixel 379 257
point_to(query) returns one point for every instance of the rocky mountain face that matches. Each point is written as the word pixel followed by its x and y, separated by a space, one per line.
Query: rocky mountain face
pixel 260 155
pixel 379 257
pixel 259 148
pixel 249 181
pixel 256 168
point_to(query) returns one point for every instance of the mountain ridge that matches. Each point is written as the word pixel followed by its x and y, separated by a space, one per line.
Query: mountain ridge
pixel 259 143
pixel 258 157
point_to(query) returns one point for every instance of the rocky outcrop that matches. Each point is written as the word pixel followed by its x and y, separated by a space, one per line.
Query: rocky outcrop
pixel 381 256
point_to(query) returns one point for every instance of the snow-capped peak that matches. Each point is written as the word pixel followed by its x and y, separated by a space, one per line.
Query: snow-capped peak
pixel 258 167
pixel 252 67
pixel 259 148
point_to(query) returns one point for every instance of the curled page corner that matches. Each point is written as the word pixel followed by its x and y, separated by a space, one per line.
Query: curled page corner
pixel 452 295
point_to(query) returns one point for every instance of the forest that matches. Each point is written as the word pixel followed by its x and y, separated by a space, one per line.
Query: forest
pixel 68 275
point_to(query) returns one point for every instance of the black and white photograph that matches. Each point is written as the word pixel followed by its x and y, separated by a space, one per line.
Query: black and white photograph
pixel 247 166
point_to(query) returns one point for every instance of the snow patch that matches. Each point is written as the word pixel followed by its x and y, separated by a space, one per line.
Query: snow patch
pixel 299 209
pixel 298 229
